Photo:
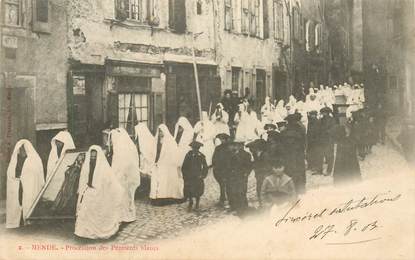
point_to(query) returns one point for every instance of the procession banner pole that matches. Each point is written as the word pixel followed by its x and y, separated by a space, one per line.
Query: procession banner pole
pixel 199 103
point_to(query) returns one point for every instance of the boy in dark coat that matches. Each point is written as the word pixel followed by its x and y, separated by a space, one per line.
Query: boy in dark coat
pixel 194 171
pixel 220 160
pixel 239 168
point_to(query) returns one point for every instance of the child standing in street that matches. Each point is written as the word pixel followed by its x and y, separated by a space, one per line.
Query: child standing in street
pixel 194 171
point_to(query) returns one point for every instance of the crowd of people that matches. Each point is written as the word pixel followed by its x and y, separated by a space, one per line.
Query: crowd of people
pixel 278 145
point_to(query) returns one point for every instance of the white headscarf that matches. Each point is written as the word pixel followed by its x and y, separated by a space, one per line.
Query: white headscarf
pixel 32 179
pixel 186 138
pixel 188 132
pixel 100 206
pixel 146 142
pixel 125 164
pixel 68 144
pixel 166 178
pixel 169 148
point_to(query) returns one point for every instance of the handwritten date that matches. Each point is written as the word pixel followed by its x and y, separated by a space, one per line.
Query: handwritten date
pixel 353 226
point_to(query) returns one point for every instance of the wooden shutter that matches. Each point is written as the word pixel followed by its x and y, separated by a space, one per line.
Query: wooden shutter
pixel 228 78
pixel 266 19
pixel 158 110
pixel 113 108
pixel 42 16
pixel 171 100
pixel 177 15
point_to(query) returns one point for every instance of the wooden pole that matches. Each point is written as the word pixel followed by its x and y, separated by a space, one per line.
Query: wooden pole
pixel 199 102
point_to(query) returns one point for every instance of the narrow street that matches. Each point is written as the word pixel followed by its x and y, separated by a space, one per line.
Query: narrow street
pixel 167 222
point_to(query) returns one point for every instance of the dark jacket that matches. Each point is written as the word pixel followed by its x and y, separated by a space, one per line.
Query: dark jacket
pixel 194 170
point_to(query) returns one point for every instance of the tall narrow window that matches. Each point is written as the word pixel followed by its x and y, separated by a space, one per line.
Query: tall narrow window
pixel 278 20
pixel 307 35
pixel 236 78
pixel 228 15
pixel 252 17
pixel 12 12
pixel 245 16
pixel 317 37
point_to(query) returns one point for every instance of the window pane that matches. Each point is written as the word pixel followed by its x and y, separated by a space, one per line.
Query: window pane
pixel 144 99
pixel 144 114
pixel 137 98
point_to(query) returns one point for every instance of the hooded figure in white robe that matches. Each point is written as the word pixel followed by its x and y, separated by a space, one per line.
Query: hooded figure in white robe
pixel 243 119
pixel 166 177
pixel 312 104
pixel 267 112
pixel 146 143
pixel 25 180
pixel 59 145
pixel 280 112
pixel 290 106
pixel 205 133
pixel 183 135
pixel 125 165
pixel 220 119
pixel 100 198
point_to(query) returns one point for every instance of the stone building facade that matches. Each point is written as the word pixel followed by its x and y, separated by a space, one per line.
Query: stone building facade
pixel 33 66
pixel 87 65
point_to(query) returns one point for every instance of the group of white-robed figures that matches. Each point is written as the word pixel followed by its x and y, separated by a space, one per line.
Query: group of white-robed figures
pixel 106 190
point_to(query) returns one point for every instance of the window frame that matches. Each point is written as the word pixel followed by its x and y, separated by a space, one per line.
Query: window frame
pixel 144 13
pixel 124 108
pixel 228 15
pixel 20 19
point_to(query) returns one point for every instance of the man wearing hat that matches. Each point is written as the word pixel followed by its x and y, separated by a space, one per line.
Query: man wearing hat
pixel 220 162
pixel 326 141
pixel 313 142
pixel 239 168
pixel 194 171
pixel 262 159
pixel 293 140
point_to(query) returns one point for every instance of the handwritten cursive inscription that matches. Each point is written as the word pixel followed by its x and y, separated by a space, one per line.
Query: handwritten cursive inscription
pixel 350 205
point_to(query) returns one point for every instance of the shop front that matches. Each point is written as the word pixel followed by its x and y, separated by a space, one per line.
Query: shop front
pixel 119 94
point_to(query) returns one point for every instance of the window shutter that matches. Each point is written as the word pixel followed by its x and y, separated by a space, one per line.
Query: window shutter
pixel 228 78
pixel 171 102
pixel 177 15
pixel 113 108
pixel 42 12
pixel 158 110
pixel 266 19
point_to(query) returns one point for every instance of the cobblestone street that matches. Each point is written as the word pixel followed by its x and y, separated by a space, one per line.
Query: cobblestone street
pixel 156 223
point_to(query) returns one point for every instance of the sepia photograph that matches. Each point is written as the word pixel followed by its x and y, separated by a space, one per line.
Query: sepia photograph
pixel 207 129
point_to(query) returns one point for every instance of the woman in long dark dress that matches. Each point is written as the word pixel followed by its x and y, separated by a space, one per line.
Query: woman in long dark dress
pixel 346 165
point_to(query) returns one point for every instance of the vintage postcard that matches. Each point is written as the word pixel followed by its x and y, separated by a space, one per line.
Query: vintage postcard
pixel 207 129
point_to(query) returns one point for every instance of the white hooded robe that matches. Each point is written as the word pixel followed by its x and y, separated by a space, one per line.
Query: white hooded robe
pixel 166 178
pixel 185 139
pixel 100 206
pixel 32 180
pixel 125 165
pixel 146 143
pixel 68 144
